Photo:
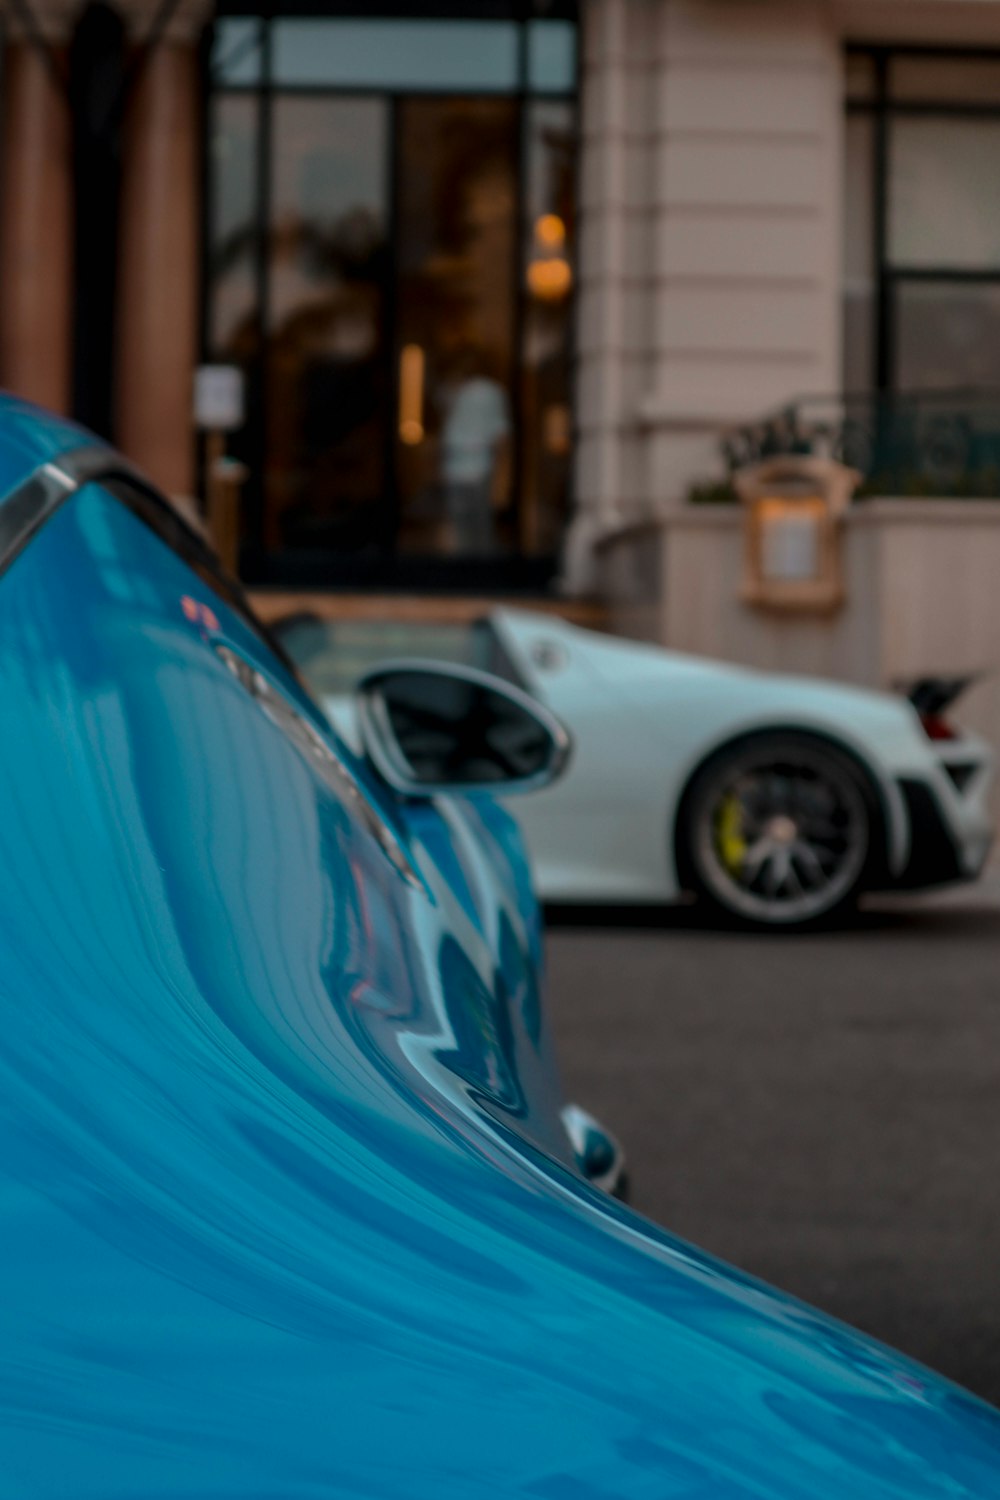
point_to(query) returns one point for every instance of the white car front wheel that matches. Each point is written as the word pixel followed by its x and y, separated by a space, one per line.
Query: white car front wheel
pixel 777 830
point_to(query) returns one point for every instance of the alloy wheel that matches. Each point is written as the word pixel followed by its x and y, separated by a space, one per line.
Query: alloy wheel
pixel 781 831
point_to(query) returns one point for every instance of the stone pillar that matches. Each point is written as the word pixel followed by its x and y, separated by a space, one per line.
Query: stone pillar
pixel 35 231
pixel 612 325
pixel 158 285
pixel 710 241
pixel 745 201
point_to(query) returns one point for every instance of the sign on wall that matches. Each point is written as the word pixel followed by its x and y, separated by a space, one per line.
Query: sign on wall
pixel 219 398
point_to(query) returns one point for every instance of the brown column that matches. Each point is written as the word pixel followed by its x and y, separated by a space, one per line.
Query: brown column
pixel 157 305
pixel 35 232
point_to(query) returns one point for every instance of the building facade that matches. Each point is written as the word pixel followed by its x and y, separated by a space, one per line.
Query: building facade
pixel 389 257
pixel 780 201
pixel 497 276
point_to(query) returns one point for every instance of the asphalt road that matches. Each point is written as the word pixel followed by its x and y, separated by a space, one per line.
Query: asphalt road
pixel 822 1110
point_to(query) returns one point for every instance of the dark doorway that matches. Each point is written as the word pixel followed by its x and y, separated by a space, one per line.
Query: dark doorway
pixel 390 251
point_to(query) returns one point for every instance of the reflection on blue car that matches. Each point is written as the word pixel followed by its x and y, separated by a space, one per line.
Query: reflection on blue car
pixel 291 1204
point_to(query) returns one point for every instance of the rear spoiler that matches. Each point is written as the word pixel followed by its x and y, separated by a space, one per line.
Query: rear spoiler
pixel 931 696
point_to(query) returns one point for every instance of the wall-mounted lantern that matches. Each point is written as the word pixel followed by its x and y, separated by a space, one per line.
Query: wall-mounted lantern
pixel 793 507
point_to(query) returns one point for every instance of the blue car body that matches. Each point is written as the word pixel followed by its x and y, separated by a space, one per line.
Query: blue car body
pixel 287 1208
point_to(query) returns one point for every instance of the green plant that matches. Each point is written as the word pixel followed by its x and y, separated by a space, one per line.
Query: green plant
pixel 712 492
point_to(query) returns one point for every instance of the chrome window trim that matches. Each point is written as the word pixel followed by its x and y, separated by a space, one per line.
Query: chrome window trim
pixel 25 509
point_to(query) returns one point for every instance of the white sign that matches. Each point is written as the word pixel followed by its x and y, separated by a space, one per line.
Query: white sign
pixel 790 549
pixel 218 398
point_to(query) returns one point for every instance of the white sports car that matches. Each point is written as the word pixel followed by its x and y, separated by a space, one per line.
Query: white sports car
pixel 775 799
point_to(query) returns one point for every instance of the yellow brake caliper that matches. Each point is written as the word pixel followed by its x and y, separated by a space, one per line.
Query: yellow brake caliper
pixel 729 837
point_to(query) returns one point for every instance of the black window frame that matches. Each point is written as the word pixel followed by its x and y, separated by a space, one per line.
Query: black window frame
pixel 257 565
pixel 882 108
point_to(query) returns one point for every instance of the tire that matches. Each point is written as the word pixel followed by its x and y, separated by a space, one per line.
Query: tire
pixel 778 831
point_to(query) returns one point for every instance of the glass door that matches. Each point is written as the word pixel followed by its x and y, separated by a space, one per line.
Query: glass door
pixel 328 395
pixel 390 246
pixel 456 230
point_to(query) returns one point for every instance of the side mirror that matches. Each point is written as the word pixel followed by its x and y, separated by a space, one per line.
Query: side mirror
pixel 430 728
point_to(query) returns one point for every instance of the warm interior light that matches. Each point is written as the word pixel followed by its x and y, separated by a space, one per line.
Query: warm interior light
pixel 412 366
pixel 550 232
pixel 549 274
pixel 783 507
pixel 791 537
pixel 551 279
pixel 557 428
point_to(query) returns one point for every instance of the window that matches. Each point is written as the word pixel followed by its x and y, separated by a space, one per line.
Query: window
pixel 390 243
pixel 412 56
pixel 922 221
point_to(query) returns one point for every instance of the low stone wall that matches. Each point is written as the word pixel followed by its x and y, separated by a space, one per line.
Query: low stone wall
pixel 923 596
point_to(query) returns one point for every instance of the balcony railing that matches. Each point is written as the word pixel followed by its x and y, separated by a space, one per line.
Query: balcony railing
pixel 944 444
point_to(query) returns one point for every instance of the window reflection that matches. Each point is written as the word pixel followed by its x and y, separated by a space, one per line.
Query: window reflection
pixel 325 366
pixel 233 228
pixel 921 309
pixel 456 222
pixel 236 51
pixel 545 379
pixel 404 313
pixel 233 333
pixel 386 54
pixel 949 336
pixel 551 56
pixel 859 255
pixel 944 207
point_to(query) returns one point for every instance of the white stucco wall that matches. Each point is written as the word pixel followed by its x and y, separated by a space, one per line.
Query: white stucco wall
pixel 679 581
pixel 710 248
pixel 710 232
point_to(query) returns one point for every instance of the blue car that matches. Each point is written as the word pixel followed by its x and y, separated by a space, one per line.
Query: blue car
pixel 290 1205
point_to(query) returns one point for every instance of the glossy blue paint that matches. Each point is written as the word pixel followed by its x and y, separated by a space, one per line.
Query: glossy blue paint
pixel 29 437
pixel 287 1207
